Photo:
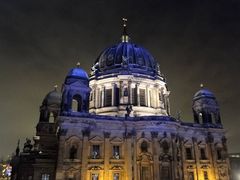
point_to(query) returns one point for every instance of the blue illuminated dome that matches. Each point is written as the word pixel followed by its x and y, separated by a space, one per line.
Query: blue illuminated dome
pixel 203 93
pixel 126 58
pixel 77 72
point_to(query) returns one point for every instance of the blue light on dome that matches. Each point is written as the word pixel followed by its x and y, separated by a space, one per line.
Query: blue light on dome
pixel 203 93
pixel 78 73
pixel 126 56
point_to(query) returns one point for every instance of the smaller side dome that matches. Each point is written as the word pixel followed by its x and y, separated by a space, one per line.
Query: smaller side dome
pixel 205 107
pixel 77 72
pixel 51 105
pixel 203 93
pixel 53 98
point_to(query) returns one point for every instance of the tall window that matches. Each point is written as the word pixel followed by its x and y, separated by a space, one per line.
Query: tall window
pixel 51 118
pixel 45 177
pixel 144 146
pixel 116 152
pixel 116 176
pixel 165 173
pixel 77 103
pixel 134 96
pixel 145 173
pixel 203 153
pixel 73 153
pixel 200 117
pixel 108 97
pixel 205 175
pixel 95 152
pixel 213 117
pixel 125 91
pixel 142 97
pixel 189 153
pixel 95 176
pixel 190 176
pixel 219 154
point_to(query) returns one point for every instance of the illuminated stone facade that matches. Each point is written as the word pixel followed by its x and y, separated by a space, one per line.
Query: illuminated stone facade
pixel 116 125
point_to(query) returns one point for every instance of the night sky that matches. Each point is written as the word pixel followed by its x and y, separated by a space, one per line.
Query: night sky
pixel 195 41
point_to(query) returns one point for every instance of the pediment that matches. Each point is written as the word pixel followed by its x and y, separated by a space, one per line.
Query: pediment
pixel 96 139
pixel 116 140
pixel 72 169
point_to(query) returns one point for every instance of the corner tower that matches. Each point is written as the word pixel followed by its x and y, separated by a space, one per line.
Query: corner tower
pixel 75 90
pixel 205 108
pixel 126 79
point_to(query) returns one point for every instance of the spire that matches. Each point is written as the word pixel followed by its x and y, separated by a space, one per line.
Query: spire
pixel 55 87
pixel 18 149
pixel 78 64
pixel 125 37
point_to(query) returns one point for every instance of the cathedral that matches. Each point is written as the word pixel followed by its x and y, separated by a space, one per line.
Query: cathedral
pixel 115 124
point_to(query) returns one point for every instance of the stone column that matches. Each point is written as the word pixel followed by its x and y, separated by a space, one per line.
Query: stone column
pixel 113 94
pixel 128 156
pixel 148 101
pixel 85 153
pixel 184 165
pixel 103 96
pixel 94 96
pixel 211 152
pixel 138 94
pixel 156 150
pixel 196 156
pixel 107 151
pixel 96 99
pixel 129 92
pixel 59 170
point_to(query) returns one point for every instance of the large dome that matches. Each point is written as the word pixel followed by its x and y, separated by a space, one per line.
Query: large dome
pixel 126 57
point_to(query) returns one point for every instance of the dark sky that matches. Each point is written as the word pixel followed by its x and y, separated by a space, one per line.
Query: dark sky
pixel 195 41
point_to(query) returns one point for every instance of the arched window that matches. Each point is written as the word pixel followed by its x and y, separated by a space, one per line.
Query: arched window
pixel 76 103
pixel 165 146
pixel 144 146
pixel 51 118
pixel 73 152
pixel 213 118
pixel 45 177
pixel 200 118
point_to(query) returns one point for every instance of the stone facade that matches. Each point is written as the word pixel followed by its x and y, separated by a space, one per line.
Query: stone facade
pixel 140 148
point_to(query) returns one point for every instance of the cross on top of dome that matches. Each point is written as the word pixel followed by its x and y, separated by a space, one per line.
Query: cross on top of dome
pixel 125 37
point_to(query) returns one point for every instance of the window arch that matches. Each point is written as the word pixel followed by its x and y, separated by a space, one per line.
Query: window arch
pixel 144 146
pixel 77 103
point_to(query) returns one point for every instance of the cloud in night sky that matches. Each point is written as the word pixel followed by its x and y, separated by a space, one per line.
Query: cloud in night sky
pixel 194 42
